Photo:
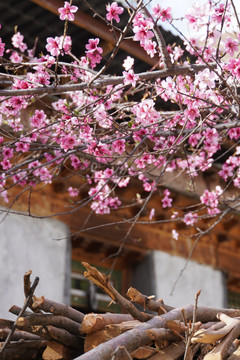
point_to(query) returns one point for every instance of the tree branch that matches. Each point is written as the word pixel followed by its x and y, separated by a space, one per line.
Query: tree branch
pixel 111 80
pixel 57 309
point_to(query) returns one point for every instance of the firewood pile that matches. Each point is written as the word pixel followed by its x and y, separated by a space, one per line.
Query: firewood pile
pixel 54 331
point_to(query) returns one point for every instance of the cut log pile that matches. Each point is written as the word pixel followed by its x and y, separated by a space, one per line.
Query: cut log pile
pixel 54 331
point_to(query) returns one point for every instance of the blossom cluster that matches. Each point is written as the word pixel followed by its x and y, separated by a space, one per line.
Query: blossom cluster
pixel 211 200
pixel 119 133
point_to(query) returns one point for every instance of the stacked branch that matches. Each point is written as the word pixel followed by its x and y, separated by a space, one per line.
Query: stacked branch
pixel 51 330
pixel 183 333
pixel 54 328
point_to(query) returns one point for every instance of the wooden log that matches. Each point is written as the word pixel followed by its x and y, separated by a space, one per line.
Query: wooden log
pixel 234 348
pixel 49 332
pixel 216 332
pixel 56 351
pixel 6 323
pixel 46 319
pixel 179 326
pixel 64 337
pixel 143 352
pixel 24 349
pixel 95 322
pixel 114 330
pixel 213 325
pixel 57 309
pixel 26 344
pixel 161 335
pixel 136 337
pixel 94 339
pixel 121 354
pixel 18 335
pixel 235 355
pixel 173 352
pixel 147 302
pixel 16 310
pixel 39 330
pixel 220 351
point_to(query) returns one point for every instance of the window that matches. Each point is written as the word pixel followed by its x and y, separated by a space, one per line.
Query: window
pixel 233 300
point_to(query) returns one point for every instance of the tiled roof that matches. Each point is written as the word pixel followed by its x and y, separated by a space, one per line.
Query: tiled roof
pixel 34 21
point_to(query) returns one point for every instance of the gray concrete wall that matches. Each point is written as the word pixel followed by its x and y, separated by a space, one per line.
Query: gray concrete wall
pixel 159 272
pixel 30 244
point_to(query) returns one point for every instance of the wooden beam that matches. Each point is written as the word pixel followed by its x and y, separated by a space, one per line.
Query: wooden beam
pixel 222 255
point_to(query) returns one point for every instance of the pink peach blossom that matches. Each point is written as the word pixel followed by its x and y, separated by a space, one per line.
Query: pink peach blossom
pixel 67 12
pixel 114 11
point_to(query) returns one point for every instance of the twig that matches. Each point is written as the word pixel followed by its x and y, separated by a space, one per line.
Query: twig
pixel 61 46
pixel 184 317
pixel 192 328
pixel 28 300
pixel 96 14
pixel 161 42
pixel 117 46
pixel 222 23
pixel 194 246
pixel 195 307
pixel 235 12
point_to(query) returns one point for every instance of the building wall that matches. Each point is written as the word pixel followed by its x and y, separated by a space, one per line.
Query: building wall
pixel 159 272
pixel 31 244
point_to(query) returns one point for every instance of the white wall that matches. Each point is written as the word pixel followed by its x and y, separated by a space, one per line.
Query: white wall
pixel 196 277
pixel 30 244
